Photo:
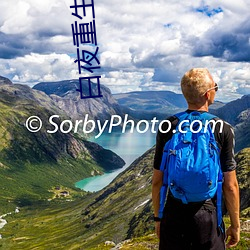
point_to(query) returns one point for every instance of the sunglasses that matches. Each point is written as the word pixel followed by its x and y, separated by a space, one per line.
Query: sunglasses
pixel 216 87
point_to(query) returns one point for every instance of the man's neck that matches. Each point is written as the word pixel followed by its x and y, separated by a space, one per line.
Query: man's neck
pixel 198 107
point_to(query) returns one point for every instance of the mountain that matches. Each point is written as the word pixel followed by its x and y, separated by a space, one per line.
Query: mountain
pixel 32 163
pixel 151 100
pixel 242 130
pixel 64 94
pixel 4 80
pixel 237 114
pixel 149 104
pixel 232 110
pixel 216 105
pixel 243 175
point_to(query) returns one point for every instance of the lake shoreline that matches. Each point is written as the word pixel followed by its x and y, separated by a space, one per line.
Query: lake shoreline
pixel 129 146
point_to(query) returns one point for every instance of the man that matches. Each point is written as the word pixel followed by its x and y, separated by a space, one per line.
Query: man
pixel 194 225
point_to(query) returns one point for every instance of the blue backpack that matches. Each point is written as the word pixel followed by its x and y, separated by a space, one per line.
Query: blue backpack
pixel 191 162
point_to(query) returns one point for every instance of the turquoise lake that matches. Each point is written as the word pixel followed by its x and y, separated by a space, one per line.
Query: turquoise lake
pixel 129 146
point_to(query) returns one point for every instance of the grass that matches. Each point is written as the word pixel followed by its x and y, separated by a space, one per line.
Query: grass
pixel 51 225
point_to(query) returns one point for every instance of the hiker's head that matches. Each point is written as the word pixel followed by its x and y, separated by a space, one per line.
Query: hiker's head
pixel 197 86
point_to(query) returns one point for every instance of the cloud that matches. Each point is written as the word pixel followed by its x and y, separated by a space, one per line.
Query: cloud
pixel 143 45
pixel 30 26
pixel 34 68
pixel 231 45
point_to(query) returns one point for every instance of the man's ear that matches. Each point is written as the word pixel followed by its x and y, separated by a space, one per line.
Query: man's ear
pixel 207 95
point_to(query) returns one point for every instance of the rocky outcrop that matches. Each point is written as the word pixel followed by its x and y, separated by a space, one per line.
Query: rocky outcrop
pixel 243 175
pixel 4 80
pixel 232 110
pixel 66 97
pixel 242 130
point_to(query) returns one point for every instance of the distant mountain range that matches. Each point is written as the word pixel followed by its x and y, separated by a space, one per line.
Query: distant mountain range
pixel 151 100
pixel 138 105
pixel 231 111
pixel 149 104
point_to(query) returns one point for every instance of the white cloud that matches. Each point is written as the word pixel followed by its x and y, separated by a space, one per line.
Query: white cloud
pixel 143 45
pixel 35 68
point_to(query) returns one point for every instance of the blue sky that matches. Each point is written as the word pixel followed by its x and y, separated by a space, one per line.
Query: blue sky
pixel 143 45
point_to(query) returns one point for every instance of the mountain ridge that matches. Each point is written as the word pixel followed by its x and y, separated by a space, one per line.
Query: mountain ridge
pixel 64 94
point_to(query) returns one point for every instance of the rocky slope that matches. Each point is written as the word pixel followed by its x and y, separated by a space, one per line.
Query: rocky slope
pixel 243 175
pixel 232 110
pixel 242 130
pixel 66 97
pixel 237 114
pixel 4 80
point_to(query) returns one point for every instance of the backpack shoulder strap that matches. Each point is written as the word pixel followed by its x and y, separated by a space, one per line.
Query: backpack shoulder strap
pixel 182 115
pixel 208 116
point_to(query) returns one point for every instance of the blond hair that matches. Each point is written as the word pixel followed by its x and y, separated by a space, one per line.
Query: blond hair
pixel 195 83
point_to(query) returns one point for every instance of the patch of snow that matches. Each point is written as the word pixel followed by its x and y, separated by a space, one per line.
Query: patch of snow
pixel 2 223
pixel 142 204
pixel 4 215
pixel 109 243
pixel 143 186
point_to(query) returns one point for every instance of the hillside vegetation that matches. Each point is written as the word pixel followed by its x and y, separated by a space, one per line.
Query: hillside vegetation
pixel 120 212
